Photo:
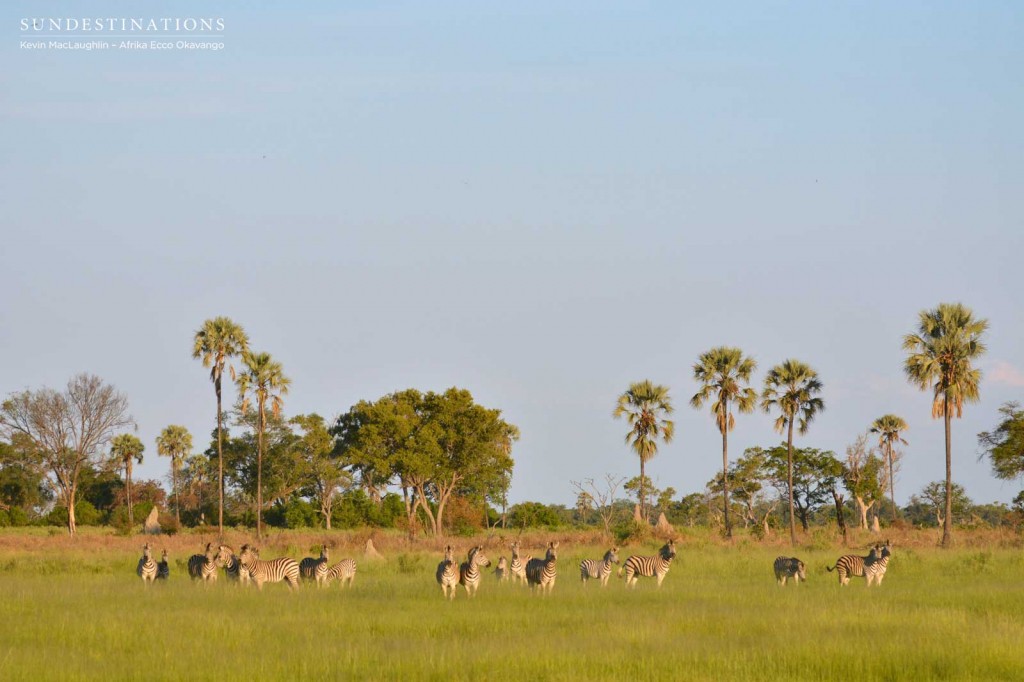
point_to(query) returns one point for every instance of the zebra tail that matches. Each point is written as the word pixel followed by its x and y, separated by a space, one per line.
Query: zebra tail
pixel 832 568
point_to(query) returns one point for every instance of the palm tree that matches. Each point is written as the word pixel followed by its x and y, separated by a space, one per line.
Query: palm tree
pixel 123 450
pixel 792 388
pixel 262 376
pixel 174 442
pixel 889 428
pixel 722 372
pixel 940 354
pixel 645 407
pixel 216 342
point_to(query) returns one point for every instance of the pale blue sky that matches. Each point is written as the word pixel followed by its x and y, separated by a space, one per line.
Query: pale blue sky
pixel 539 204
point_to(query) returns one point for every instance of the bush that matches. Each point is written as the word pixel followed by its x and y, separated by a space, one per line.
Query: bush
pixel 85 515
pixel 629 530
pixel 15 516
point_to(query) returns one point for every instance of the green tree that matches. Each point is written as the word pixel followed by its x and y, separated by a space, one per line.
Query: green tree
pixel 940 357
pixel 863 477
pixel 746 482
pixel 263 380
pixel 69 429
pixel 792 388
pixel 890 429
pixel 175 442
pixel 1004 445
pixel 24 489
pixel 936 498
pixel 216 342
pixel 724 373
pixel 125 450
pixel 323 471
pixel 808 476
pixel 646 407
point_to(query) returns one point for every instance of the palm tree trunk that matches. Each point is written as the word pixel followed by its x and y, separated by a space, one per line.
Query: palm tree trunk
pixel 643 497
pixel 725 477
pixel 259 475
pixel 128 492
pixel 177 493
pixel 220 464
pixel 789 445
pixel 948 521
pixel 892 488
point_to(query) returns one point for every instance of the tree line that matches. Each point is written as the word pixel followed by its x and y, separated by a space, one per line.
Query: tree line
pixel 432 462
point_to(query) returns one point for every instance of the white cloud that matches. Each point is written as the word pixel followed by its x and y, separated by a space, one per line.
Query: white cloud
pixel 1005 373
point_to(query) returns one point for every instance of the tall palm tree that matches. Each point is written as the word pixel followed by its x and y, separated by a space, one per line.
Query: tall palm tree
pixel 262 376
pixel 722 373
pixel 646 407
pixel 125 449
pixel 792 388
pixel 216 342
pixel 939 357
pixel 175 442
pixel 889 429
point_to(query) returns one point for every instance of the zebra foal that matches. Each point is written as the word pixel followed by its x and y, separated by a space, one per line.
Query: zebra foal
pixel 344 572
pixel 233 566
pixel 599 569
pixel 876 570
pixel 448 573
pixel 789 567
pixel 315 569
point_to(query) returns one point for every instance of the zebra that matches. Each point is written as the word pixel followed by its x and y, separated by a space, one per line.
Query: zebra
pixel 163 569
pixel 501 572
pixel 852 565
pixel 517 566
pixel 147 567
pixel 343 571
pixel 315 569
pixel 448 573
pixel 542 572
pixel 271 571
pixel 649 566
pixel 204 566
pixel 599 568
pixel 875 571
pixel 469 571
pixel 233 566
pixel 789 567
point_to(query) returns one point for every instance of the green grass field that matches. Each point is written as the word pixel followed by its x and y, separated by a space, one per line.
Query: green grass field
pixel 74 612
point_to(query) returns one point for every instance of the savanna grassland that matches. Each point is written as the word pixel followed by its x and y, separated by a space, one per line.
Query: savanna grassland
pixel 74 609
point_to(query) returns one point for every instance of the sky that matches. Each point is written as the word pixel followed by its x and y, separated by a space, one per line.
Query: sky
pixel 539 202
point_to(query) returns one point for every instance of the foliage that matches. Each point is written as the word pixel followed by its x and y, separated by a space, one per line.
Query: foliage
pixel 816 474
pixel 1004 445
pixel 646 407
pixel 68 429
pixel 533 515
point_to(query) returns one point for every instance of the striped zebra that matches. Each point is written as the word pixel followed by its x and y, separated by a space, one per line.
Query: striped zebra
pixel 469 570
pixel 343 571
pixel 233 566
pixel 852 565
pixel 542 572
pixel 649 566
pixel 875 571
pixel 517 566
pixel 147 567
pixel 501 572
pixel 789 567
pixel 204 566
pixel 315 569
pixel 163 569
pixel 448 573
pixel 599 569
pixel 271 571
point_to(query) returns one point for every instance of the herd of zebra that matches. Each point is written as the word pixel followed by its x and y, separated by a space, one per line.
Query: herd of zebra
pixel 248 567
pixel 541 573
pixel 537 573
pixel 872 567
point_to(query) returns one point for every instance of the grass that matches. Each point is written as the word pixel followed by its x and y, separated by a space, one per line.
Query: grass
pixel 72 611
